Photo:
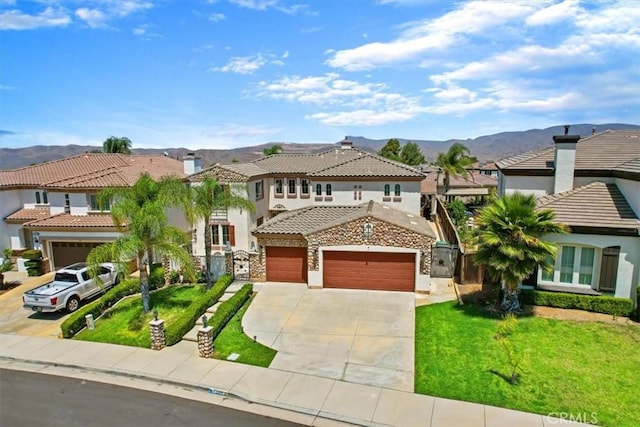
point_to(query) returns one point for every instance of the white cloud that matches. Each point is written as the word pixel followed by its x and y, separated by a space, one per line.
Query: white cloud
pixel 18 20
pixel 554 14
pixel 217 17
pixel 146 32
pixel 269 4
pixel 93 17
pixel 242 65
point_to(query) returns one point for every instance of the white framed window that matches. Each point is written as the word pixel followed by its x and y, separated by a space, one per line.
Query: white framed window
pixel 318 189
pixel 94 205
pixel 291 186
pixel 387 190
pixel 396 190
pixel 259 190
pixel 304 186
pixel 279 190
pixel 574 265
pixel 328 190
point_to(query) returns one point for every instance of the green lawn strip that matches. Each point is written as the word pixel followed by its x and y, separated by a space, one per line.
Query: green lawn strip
pixel 127 324
pixel 233 340
pixel 573 367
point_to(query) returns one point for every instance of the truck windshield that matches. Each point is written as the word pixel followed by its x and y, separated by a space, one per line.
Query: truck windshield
pixel 66 277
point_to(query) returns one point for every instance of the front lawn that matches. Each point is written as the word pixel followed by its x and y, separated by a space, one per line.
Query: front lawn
pixel 233 340
pixel 573 367
pixel 127 323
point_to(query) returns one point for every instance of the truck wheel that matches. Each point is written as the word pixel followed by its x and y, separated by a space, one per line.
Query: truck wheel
pixel 73 304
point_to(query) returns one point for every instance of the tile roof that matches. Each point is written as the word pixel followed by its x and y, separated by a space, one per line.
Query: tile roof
pixel 369 165
pixel 593 205
pixel 91 170
pixel 312 219
pixel 429 184
pixel 475 180
pixel 608 150
pixel 73 221
pixel 23 215
pixel 307 163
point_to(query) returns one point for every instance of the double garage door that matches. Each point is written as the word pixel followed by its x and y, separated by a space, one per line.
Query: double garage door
pixel 388 271
pixel 67 253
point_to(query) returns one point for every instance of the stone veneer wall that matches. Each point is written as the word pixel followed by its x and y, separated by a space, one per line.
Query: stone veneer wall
pixel 258 260
pixel 384 234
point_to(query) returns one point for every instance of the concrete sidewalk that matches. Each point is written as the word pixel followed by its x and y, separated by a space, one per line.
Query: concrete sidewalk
pixel 315 401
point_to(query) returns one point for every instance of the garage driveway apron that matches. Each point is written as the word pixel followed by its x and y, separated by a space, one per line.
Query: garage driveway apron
pixel 364 337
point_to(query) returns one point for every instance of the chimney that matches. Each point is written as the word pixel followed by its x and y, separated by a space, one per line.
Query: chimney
pixel 565 161
pixel 191 163
pixel 346 143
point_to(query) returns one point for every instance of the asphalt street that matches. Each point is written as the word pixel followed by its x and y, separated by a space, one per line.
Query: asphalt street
pixel 31 399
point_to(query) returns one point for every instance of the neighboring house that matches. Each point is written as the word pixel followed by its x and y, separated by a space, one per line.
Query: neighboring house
pixel 342 217
pixel 53 206
pixel 593 186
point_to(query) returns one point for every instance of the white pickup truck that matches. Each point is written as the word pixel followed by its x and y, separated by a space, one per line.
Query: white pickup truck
pixel 70 285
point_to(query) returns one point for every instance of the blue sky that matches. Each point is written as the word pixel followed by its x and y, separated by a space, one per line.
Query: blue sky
pixel 229 73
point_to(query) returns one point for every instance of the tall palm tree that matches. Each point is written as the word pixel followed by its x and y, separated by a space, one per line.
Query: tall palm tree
pixel 203 199
pixel 117 145
pixel 454 163
pixel 140 212
pixel 511 244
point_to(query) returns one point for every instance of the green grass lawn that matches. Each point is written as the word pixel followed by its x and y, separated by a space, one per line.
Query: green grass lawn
pixel 233 340
pixel 573 367
pixel 127 324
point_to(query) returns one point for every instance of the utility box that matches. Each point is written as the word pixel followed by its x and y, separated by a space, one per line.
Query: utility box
pixel 443 257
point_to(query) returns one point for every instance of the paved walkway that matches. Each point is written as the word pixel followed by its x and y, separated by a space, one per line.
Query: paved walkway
pixel 178 370
pixel 363 337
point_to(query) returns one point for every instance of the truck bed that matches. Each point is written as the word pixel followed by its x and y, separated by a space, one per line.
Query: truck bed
pixel 50 288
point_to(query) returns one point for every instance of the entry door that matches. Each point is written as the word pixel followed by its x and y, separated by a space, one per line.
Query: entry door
pixel 609 269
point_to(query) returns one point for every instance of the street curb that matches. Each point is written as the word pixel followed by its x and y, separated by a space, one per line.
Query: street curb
pixel 195 387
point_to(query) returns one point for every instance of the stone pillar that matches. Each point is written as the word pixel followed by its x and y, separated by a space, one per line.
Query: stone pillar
pixel 166 269
pixel 228 263
pixel 158 340
pixel 205 341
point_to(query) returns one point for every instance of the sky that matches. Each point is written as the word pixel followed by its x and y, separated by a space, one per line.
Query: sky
pixel 231 73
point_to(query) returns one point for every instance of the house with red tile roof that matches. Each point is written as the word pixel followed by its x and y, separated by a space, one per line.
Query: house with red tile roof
pixel 53 206
pixel 593 186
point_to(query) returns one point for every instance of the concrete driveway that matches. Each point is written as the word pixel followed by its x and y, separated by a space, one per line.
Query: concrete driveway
pixel 364 337
pixel 16 320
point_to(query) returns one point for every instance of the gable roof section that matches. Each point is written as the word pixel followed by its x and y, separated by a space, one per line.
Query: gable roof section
pixel 25 215
pixel 312 219
pixel 91 170
pixel 595 205
pixel 237 172
pixel 608 150
pixel 307 163
pixel 368 165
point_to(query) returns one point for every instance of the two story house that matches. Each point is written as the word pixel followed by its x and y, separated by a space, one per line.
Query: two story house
pixel 340 218
pixel 593 186
pixel 53 206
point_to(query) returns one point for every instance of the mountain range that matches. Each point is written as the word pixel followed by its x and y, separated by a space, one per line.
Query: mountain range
pixel 486 148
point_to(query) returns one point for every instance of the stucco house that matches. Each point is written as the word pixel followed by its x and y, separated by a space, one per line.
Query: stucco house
pixel 52 206
pixel 593 186
pixel 340 218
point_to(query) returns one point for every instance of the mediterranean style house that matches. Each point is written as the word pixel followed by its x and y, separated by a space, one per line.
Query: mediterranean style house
pixel 593 186
pixel 341 218
pixel 53 207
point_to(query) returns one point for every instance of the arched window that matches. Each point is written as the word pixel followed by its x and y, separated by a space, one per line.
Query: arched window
pixel 396 190
pixel 328 192
pixel 37 197
pixel 387 190
pixel 45 197
pixel 355 192
pixel 318 190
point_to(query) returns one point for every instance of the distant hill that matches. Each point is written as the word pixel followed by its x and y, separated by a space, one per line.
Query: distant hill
pixel 485 148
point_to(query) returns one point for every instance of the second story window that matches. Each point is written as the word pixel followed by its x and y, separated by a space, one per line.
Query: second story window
pixel 259 190
pixel 396 190
pixel 279 190
pixel 387 190
pixel 38 201
pixel 328 191
pixel 318 190
pixel 67 204
pixel 304 186
pixel 291 186
pixel 355 192
pixel 95 206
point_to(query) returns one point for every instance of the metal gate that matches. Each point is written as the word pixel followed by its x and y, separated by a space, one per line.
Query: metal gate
pixel 217 266
pixel 241 265
pixel 443 259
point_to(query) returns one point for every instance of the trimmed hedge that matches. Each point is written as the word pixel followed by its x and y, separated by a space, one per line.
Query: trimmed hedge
pixel 76 321
pixel 228 309
pixel 31 254
pixel 597 304
pixel 183 324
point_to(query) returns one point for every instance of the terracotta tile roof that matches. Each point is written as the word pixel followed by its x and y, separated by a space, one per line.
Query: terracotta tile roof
pixel 73 221
pixel 369 165
pixel 429 185
pixel 306 163
pixel 593 205
pixel 23 215
pixel 608 150
pixel 475 180
pixel 312 219
pixel 91 170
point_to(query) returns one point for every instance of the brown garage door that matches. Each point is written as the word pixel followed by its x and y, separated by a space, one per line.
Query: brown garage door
pixel 285 264
pixel 67 253
pixel 380 271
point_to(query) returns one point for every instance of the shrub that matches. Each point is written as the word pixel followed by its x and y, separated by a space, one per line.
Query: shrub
pixel 156 276
pixel 32 254
pixel 181 325
pixel 76 321
pixel 175 277
pixel 33 272
pixel 597 304
pixel 229 308
pixel 638 303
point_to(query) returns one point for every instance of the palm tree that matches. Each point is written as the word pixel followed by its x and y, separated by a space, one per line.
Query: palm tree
pixel 140 212
pixel 454 163
pixel 117 145
pixel 202 200
pixel 510 242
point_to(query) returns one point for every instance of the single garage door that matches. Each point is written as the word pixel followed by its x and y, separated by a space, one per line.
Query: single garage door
pixel 286 264
pixel 67 253
pixel 380 271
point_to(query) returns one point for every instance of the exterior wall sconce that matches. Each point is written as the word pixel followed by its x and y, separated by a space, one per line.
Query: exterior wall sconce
pixel 227 246
pixel 252 247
